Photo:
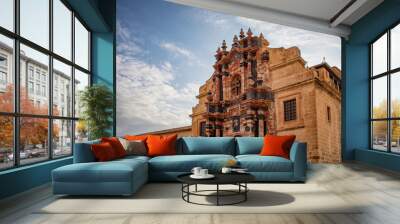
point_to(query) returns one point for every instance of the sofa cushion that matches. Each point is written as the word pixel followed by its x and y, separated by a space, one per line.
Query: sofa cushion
pixel 83 152
pixel 134 147
pixel 112 171
pixel 257 163
pixel 249 145
pixel 103 152
pixel 116 145
pixel 185 163
pixel 277 145
pixel 161 145
pixel 204 145
pixel 133 158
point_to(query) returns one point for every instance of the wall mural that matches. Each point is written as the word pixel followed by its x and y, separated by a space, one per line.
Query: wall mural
pixel 195 72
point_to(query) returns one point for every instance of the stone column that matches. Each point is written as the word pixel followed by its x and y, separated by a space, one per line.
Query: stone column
pixel 261 117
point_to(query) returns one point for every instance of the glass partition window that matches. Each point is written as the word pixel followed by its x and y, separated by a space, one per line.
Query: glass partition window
pixel 40 82
pixel 33 140
pixel 6 74
pixel 385 92
pixel 395 47
pixel 62 89
pixel 7 14
pixel 36 100
pixel 81 45
pixel 62 29
pixel 62 137
pixel 81 82
pixel 6 142
pixel 34 21
pixel 379 56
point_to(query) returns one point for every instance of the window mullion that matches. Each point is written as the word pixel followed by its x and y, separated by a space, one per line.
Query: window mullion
pixel 50 81
pixel 371 89
pixel 73 81
pixel 389 104
pixel 16 84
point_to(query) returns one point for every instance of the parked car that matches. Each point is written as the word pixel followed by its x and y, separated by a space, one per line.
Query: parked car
pixel 22 155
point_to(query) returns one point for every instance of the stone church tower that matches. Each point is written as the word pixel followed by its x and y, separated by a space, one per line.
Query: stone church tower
pixel 257 90
pixel 239 100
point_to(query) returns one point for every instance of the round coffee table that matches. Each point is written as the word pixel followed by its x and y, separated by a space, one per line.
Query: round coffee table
pixel 238 179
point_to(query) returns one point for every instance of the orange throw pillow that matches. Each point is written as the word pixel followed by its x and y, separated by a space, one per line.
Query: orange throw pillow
pixel 277 145
pixel 161 145
pixel 103 152
pixel 116 145
pixel 136 137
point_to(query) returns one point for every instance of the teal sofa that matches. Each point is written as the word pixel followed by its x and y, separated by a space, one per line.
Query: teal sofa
pixel 125 176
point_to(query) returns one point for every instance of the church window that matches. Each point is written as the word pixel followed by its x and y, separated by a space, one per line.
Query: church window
pixel 236 85
pixel 328 113
pixel 203 128
pixel 289 107
pixel 236 124
pixel 265 56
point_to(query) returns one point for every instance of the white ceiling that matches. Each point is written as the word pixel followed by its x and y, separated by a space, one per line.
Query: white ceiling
pixel 320 9
pixel 314 15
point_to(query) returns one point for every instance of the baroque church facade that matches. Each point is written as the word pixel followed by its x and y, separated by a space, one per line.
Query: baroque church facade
pixel 257 90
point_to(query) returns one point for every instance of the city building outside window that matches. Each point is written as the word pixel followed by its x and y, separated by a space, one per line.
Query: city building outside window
pixel 3 61
pixel 30 87
pixel 43 90
pixel 3 77
pixel 30 72
pixel 3 72
pixel 38 89
pixel 43 77
pixel 37 75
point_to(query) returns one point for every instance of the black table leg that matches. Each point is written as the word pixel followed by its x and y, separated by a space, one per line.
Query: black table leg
pixel 195 188
pixel 182 189
pixel 217 194
pixel 245 193
pixel 188 190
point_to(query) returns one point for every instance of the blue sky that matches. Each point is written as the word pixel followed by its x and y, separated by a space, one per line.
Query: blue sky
pixel 166 51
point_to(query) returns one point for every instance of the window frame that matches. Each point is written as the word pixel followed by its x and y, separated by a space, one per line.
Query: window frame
pixel 388 74
pixel 293 109
pixel 328 114
pixel 16 115
pixel 236 86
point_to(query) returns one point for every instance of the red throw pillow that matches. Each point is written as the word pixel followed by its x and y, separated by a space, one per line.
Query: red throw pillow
pixel 277 145
pixel 116 145
pixel 103 152
pixel 161 145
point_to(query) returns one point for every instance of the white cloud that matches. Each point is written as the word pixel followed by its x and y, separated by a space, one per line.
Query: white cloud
pixel 314 46
pixel 171 47
pixel 127 44
pixel 177 51
pixel 148 100
pixel 216 19
pixel 147 96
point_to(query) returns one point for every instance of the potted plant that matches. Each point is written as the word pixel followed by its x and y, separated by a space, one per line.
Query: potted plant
pixel 96 102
